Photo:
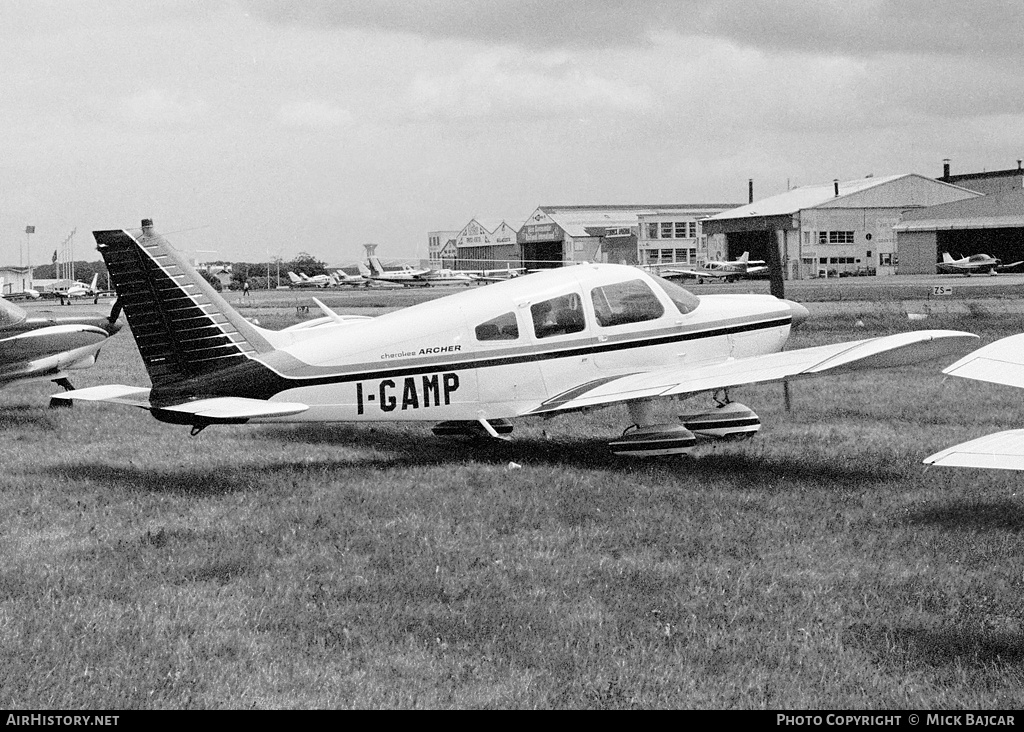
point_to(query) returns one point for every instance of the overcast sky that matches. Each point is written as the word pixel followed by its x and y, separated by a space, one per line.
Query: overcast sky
pixel 254 128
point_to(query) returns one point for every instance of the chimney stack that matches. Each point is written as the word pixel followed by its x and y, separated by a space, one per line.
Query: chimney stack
pixel 750 187
pixel 945 169
pixel 147 227
pixel 835 184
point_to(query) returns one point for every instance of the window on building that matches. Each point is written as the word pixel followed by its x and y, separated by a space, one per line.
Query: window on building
pixel 666 229
pixel 835 237
pixel 625 302
pixel 652 231
pixel 558 316
pixel 502 328
pixel 680 230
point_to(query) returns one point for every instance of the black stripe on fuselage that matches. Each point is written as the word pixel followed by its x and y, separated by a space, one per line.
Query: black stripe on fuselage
pixel 263 376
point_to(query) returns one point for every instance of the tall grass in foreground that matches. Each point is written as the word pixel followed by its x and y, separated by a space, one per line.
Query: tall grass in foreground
pixel 818 565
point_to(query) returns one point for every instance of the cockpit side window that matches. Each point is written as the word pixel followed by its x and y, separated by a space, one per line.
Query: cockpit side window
pixel 502 328
pixel 558 316
pixel 625 302
pixel 684 300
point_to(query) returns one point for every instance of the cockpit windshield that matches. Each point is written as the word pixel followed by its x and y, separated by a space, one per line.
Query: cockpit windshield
pixel 684 300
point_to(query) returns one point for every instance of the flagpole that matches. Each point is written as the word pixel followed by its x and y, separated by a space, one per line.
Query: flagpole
pixel 29 230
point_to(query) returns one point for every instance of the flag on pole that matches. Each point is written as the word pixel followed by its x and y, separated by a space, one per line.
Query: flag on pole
pixel 30 230
pixel 54 256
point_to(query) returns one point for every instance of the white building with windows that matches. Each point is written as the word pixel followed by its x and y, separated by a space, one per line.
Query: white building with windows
pixel 620 234
pixel 440 245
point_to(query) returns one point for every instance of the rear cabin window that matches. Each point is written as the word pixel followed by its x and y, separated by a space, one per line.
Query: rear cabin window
pixel 625 302
pixel 502 328
pixel 684 300
pixel 558 316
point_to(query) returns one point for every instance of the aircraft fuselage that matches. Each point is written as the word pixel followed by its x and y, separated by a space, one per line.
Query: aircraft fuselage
pixel 483 353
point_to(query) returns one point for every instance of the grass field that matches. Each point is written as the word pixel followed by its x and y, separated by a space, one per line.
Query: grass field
pixel 816 566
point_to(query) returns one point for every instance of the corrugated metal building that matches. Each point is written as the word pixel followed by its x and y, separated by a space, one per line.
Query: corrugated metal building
pixel 834 229
pixel 487 245
pixel 992 224
pixel 987 182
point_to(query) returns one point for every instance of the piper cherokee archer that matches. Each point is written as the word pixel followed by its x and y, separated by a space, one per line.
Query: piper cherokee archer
pixel 558 341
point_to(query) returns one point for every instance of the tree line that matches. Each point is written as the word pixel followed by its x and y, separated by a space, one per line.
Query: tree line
pixel 255 273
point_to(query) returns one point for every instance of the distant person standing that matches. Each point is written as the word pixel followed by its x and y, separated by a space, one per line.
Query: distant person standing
pixel 245 289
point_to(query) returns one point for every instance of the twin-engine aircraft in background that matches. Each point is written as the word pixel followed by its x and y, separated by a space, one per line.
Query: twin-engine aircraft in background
pixel 1001 362
pixel 555 342
pixel 304 280
pixel 723 271
pixel 47 346
pixel 412 277
pixel 974 263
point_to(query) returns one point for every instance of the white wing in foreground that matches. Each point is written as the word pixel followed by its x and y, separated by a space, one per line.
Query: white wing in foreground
pixel 1001 451
pixel 893 350
pixel 1001 362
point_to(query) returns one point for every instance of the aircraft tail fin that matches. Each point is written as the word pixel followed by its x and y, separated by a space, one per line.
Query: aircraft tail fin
pixel 294 278
pixel 946 257
pixel 363 269
pixel 185 331
pixel 744 257
pixel 95 279
pixel 376 266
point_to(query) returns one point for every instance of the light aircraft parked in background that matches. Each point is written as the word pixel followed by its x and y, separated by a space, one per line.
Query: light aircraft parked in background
pixel 556 342
pixel 341 277
pixel 493 275
pixel 974 263
pixel 47 346
pixel 304 280
pixel 1001 362
pixel 80 290
pixel 412 277
pixel 728 271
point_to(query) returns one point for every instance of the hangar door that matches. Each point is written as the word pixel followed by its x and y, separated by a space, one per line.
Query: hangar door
pixel 1006 244
pixel 542 254
pixel 755 242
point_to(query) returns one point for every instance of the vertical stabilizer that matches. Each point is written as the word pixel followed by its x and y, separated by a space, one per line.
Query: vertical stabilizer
pixel 376 266
pixel 184 329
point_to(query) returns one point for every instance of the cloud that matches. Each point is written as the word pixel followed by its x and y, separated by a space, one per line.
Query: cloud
pixel 163 106
pixel 314 115
pixel 506 84
pixel 867 28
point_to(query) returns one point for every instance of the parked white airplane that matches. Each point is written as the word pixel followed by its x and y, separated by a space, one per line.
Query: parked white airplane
pixel 558 341
pixel 304 280
pixel 412 277
pixel 493 275
pixel 341 277
pixel 1001 362
pixel 728 271
pixel 972 264
pixel 45 346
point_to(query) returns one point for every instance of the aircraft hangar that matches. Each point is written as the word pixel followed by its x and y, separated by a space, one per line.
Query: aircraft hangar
pixel 836 229
pixel 992 224
pixel 621 234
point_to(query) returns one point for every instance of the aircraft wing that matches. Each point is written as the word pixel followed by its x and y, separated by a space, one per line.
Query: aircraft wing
pixel 1001 451
pixel 893 350
pixel 696 273
pixel 1000 362
pixel 213 409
